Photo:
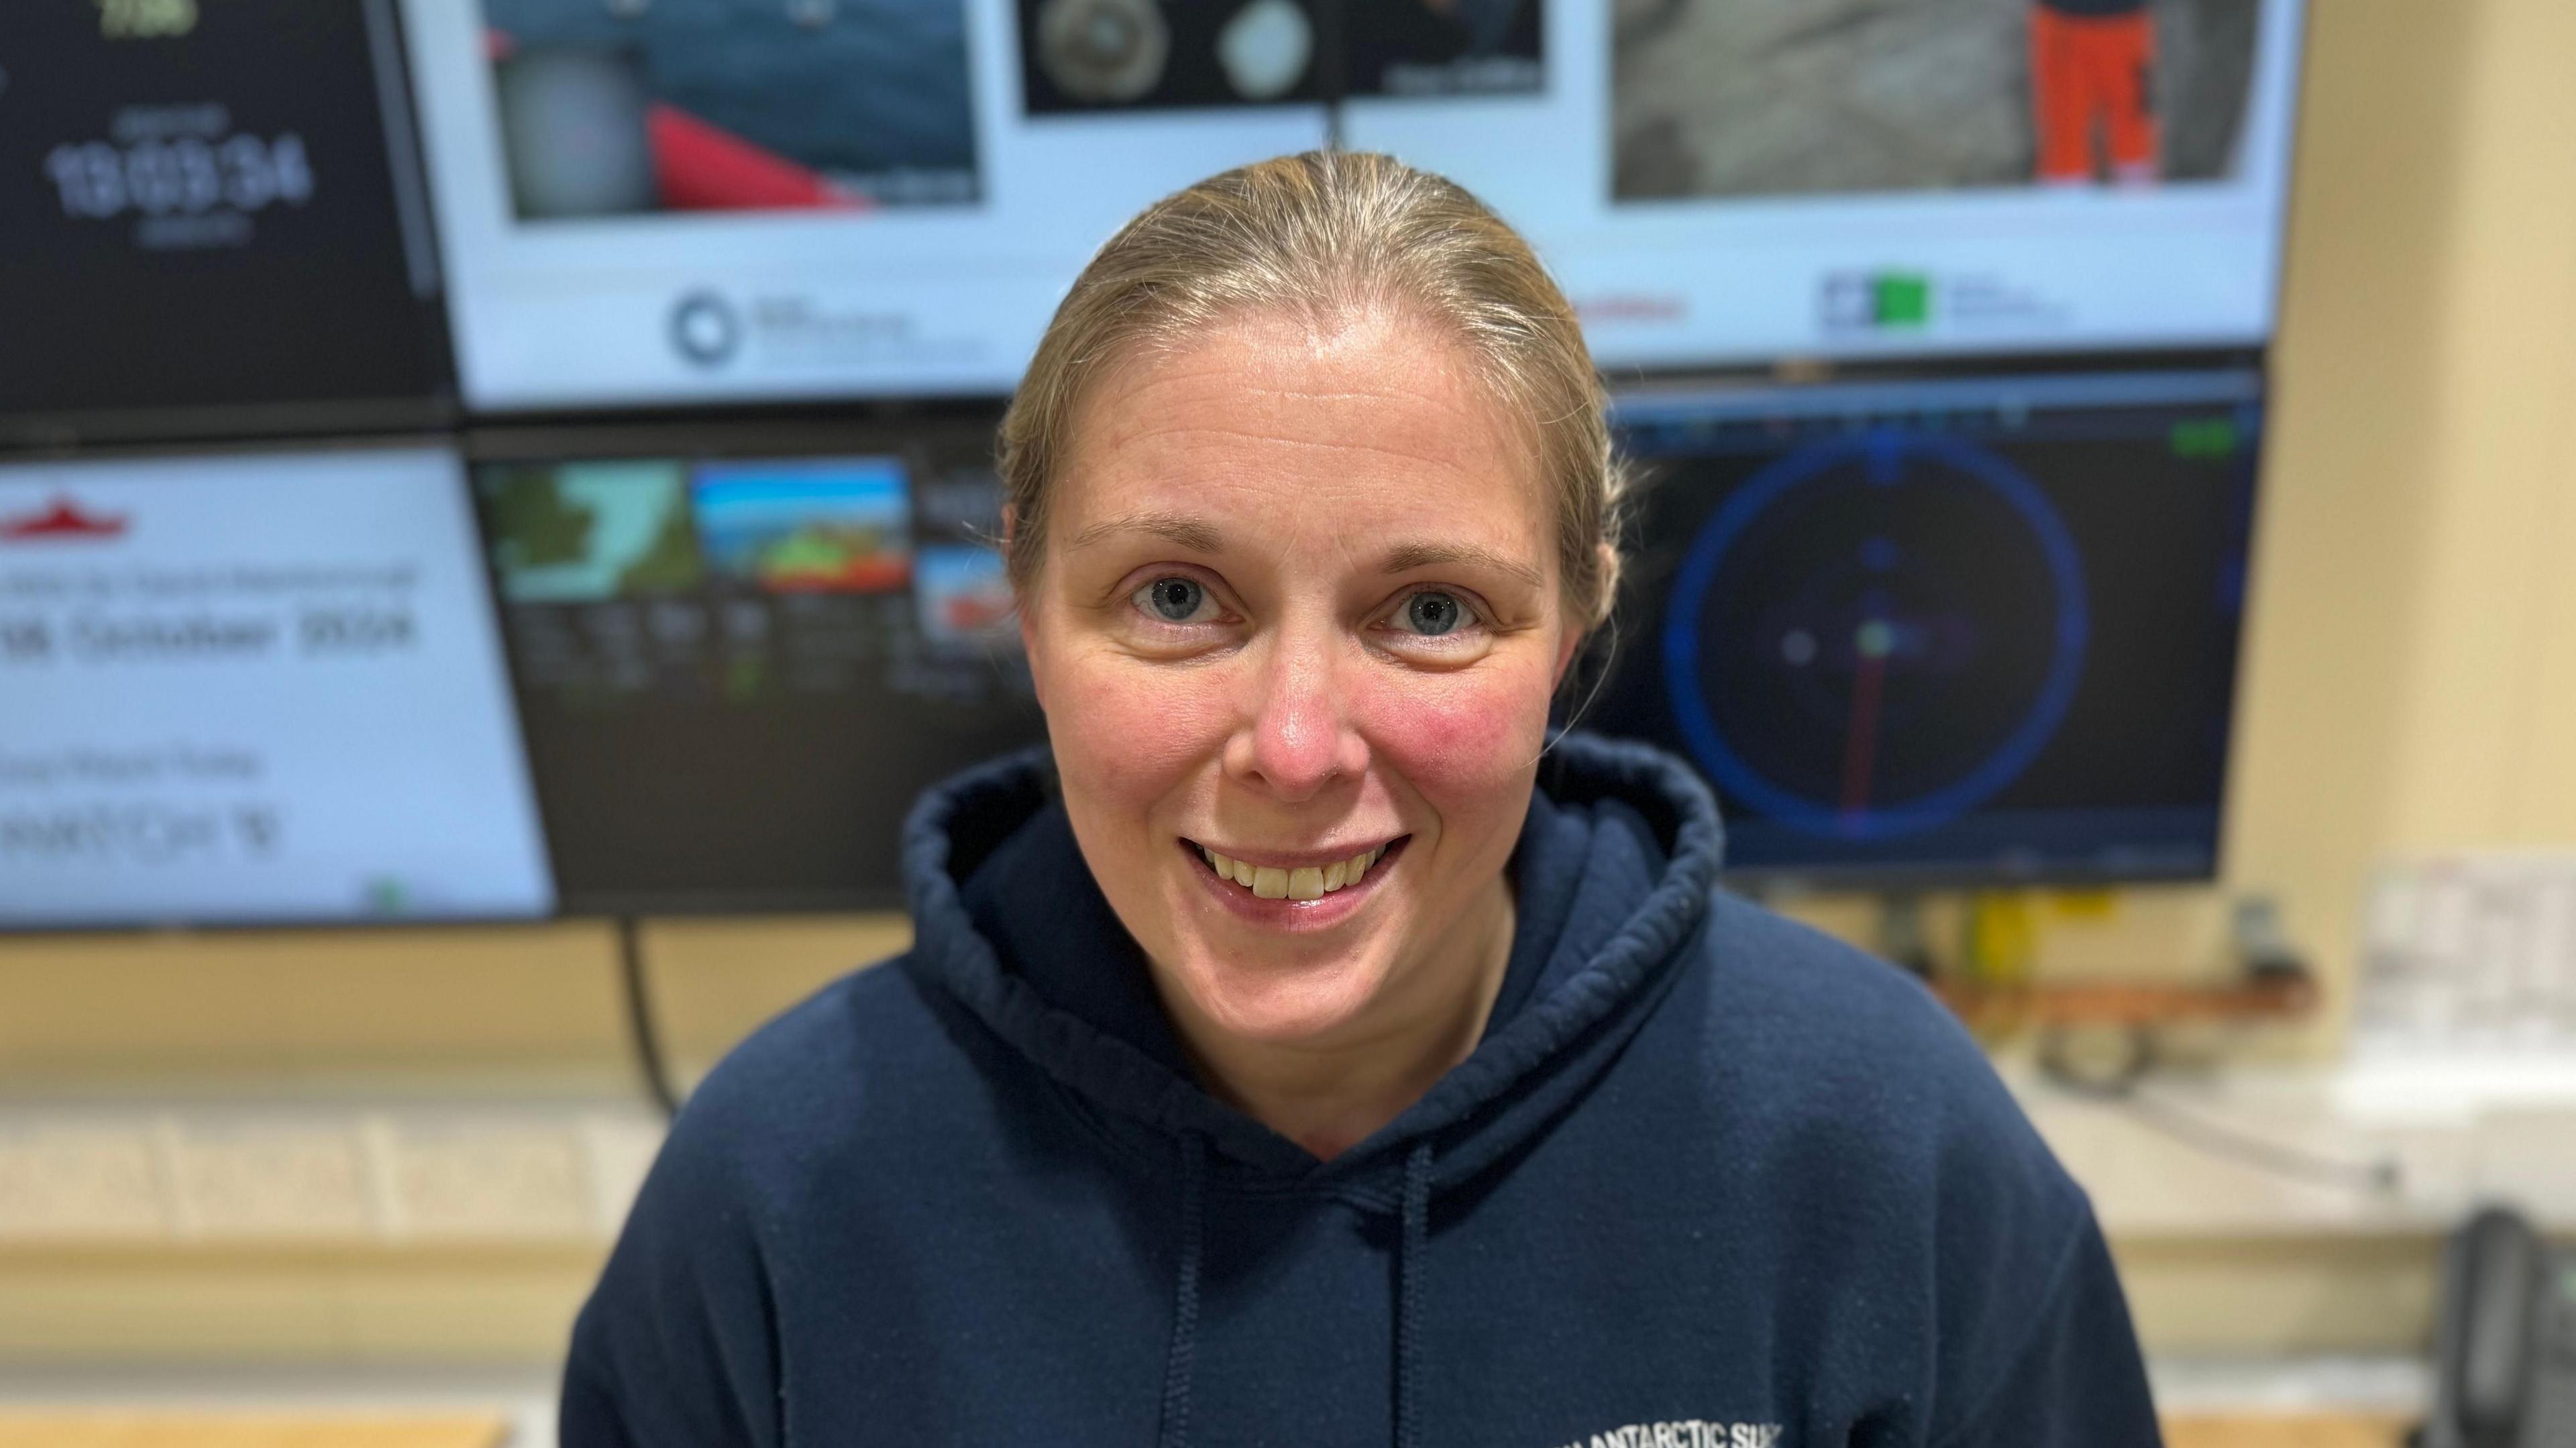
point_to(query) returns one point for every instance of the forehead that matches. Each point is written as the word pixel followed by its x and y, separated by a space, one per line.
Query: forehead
pixel 1378 423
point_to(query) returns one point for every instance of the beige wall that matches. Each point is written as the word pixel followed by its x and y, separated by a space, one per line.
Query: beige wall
pixel 2415 665
pixel 2410 683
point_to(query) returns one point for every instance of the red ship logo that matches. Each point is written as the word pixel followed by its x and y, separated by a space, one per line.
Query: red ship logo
pixel 61 519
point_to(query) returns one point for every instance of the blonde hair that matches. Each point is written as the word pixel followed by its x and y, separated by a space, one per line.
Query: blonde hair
pixel 1319 236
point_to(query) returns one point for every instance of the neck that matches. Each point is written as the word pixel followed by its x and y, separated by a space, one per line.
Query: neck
pixel 1329 1095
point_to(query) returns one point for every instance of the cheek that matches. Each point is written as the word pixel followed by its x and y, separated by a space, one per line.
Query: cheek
pixel 1468 741
pixel 1128 734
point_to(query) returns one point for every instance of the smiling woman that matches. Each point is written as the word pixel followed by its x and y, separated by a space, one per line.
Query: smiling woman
pixel 1305 1046
pixel 1304 608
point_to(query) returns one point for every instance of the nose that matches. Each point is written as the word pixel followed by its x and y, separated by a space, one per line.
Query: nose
pixel 1297 737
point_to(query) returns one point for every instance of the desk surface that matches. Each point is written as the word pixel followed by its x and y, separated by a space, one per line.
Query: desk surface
pixel 2284 1431
pixel 246 1430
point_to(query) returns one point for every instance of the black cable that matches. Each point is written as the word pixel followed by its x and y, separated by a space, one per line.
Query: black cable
pixel 2379 1177
pixel 640 1030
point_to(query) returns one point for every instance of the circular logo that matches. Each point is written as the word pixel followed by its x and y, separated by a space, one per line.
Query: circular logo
pixel 704 329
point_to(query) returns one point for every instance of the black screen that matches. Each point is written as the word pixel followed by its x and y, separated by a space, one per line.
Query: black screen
pixel 1956 630
pixel 201 208
pixel 736 670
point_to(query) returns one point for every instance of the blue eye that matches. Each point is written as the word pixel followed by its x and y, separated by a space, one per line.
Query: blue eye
pixel 1432 614
pixel 1174 599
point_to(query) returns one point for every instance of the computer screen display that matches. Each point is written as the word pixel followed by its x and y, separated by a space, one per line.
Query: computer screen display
pixel 702 200
pixel 254 688
pixel 214 225
pixel 1716 182
pixel 737 669
pixel 1958 631
pixel 706 200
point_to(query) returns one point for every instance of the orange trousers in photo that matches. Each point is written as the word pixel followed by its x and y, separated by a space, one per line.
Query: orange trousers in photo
pixel 2089 75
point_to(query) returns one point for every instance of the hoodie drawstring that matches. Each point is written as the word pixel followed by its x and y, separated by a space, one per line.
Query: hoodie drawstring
pixel 1409 1252
pixel 1185 1303
pixel 1410 1249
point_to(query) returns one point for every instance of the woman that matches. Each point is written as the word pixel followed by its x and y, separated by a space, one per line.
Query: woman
pixel 1305 1049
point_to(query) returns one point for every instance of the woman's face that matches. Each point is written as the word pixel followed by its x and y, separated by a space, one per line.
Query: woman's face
pixel 1299 610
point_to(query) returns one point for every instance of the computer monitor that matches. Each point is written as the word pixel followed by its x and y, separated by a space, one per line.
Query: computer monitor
pixel 254 688
pixel 741 656
pixel 804 199
pixel 216 225
pixel 1718 184
pixel 1967 630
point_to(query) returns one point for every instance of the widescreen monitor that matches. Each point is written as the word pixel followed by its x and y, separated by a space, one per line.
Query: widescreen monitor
pixel 1720 183
pixel 1957 631
pixel 255 688
pixel 725 200
pixel 215 225
pixel 740 660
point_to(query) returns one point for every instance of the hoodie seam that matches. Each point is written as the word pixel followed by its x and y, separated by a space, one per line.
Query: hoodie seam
pixel 2061 1274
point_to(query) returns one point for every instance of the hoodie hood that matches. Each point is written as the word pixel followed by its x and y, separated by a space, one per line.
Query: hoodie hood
pixel 1612 874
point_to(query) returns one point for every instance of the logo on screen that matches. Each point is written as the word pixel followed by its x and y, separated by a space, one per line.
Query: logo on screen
pixel 704 328
pixel 61 519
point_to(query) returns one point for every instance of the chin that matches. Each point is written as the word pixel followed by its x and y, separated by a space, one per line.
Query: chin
pixel 1280 1002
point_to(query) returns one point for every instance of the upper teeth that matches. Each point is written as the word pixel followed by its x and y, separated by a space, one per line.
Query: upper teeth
pixel 1307 882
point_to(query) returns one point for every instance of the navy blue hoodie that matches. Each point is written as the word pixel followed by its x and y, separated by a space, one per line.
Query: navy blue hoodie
pixel 1710 1180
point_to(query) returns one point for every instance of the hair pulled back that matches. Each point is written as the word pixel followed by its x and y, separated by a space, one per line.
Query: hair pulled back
pixel 1321 236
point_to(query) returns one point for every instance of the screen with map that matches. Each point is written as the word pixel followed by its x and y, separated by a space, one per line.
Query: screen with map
pixel 736 669
pixel 1964 630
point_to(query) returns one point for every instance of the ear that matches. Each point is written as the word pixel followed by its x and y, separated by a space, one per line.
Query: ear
pixel 1572 643
pixel 1029 650
pixel 1026 615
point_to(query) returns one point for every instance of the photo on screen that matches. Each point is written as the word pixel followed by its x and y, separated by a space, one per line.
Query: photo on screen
pixel 835 525
pixel 753 742
pixel 1118 55
pixel 1405 48
pixel 582 531
pixel 1804 97
pixel 626 106
pixel 964 594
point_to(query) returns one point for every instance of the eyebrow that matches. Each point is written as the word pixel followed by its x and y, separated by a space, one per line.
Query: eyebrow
pixel 1405 557
pixel 1189 532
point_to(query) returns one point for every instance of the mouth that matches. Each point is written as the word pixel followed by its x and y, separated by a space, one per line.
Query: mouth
pixel 1294 880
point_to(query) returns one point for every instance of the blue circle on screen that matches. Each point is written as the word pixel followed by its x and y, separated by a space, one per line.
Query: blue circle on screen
pixel 1882 450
